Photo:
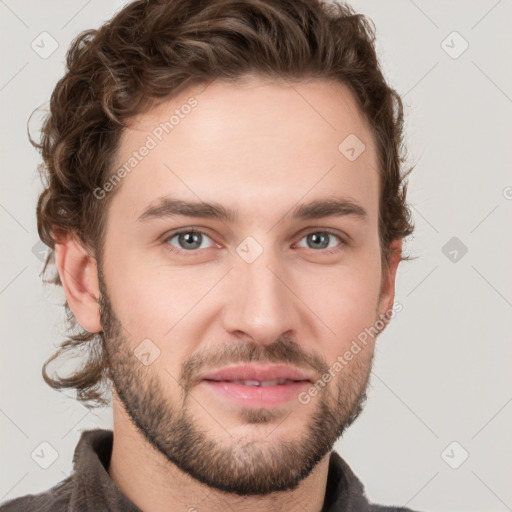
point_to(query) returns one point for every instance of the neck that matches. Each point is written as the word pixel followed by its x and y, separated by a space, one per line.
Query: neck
pixel 155 484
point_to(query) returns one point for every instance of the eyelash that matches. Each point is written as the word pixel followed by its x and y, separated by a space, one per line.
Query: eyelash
pixel 194 252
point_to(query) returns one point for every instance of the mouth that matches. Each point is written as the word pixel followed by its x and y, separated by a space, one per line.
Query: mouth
pixel 257 386
pixel 254 375
pixel 264 383
pixel 256 394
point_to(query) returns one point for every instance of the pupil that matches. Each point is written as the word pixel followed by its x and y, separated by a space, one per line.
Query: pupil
pixel 189 239
pixel 315 237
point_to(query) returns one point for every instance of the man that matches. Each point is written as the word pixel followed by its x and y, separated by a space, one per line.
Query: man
pixel 226 208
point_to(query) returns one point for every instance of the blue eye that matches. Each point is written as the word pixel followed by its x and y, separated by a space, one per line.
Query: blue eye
pixel 320 240
pixel 188 240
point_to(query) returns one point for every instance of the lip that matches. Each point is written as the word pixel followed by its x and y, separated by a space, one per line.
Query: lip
pixel 255 397
pixel 257 372
pixel 221 383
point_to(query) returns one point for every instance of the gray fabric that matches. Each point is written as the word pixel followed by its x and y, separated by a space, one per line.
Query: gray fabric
pixel 90 488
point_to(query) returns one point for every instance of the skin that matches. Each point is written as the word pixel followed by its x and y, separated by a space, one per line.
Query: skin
pixel 259 147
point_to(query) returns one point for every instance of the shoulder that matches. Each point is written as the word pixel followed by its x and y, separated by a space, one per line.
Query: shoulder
pixel 55 499
pixel 381 508
pixel 346 492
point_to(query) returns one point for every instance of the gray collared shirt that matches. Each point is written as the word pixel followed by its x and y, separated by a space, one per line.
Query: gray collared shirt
pixel 90 488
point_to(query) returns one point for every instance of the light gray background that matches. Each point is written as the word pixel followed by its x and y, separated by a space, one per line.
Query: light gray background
pixel 442 367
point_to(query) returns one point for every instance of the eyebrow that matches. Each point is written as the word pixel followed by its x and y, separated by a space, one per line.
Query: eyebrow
pixel 169 207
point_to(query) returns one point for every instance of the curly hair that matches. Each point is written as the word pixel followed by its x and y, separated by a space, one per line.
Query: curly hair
pixel 154 49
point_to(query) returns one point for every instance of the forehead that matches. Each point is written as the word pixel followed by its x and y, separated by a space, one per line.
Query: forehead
pixel 254 144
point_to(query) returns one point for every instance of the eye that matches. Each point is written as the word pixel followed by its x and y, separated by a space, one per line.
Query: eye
pixel 192 240
pixel 187 241
pixel 322 240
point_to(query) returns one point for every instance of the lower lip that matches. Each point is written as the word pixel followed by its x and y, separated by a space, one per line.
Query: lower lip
pixel 257 396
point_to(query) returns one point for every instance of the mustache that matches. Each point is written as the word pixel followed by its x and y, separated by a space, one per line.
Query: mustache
pixel 282 351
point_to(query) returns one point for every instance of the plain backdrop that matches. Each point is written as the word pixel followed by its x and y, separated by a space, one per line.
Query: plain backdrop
pixel 435 433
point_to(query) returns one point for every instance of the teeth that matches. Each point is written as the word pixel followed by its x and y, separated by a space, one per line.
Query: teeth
pixel 273 382
pixel 247 382
pixel 262 383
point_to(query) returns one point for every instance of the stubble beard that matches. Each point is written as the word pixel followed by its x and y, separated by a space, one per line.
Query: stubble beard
pixel 245 467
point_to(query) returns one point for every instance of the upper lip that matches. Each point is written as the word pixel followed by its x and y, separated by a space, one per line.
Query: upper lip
pixel 257 372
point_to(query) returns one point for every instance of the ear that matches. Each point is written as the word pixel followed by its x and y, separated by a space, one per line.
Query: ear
pixel 79 276
pixel 387 293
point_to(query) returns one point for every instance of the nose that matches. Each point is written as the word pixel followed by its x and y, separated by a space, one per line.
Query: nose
pixel 260 304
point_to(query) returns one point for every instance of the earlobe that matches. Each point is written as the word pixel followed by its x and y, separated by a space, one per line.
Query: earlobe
pixel 79 276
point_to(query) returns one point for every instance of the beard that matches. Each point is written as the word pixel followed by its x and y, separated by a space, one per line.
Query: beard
pixel 246 467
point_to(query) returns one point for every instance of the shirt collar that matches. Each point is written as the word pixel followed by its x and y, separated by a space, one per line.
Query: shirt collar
pixel 93 489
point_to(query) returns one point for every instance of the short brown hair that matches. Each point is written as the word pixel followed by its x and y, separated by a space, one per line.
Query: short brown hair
pixel 155 49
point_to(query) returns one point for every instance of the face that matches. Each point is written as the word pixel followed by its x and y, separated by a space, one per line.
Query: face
pixel 266 276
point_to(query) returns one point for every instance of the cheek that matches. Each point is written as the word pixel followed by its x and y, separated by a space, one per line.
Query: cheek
pixel 346 300
pixel 136 296
pixel 156 302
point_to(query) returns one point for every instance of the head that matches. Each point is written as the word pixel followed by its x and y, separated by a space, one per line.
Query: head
pixel 277 115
